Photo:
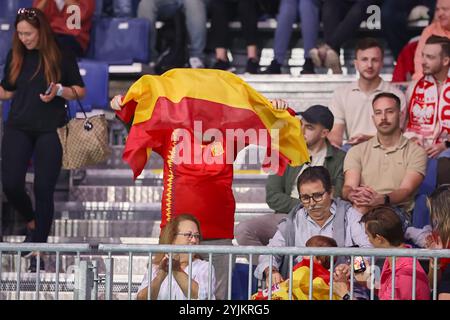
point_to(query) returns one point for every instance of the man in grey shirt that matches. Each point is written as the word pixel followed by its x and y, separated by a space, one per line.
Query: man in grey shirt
pixel 317 214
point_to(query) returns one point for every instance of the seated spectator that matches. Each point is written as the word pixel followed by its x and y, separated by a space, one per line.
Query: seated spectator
pixel 195 15
pixel 427 123
pixel 394 21
pixel 384 230
pixel 388 168
pixel 281 191
pixel 220 17
pixel 309 17
pixel 341 21
pixel 439 27
pixel 352 104
pixel 184 229
pixel 70 30
pixel 318 214
pixel 439 203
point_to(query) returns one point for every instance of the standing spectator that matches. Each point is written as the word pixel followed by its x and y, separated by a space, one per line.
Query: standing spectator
pixel 394 22
pixel 281 191
pixel 195 16
pixel 309 17
pixel 439 27
pixel 384 230
pixel 427 114
pixel 439 203
pixel 35 63
pixel 388 168
pixel 220 16
pixel 63 20
pixel 352 104
pixel 197 183
pixel 341 20
pixel 184 229
pixel 319 214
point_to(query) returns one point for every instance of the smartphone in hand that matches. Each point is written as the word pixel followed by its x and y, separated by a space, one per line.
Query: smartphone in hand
pixel 49 89
pixel 359 265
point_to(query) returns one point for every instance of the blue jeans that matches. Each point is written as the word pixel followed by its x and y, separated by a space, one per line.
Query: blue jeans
pixel 444 154
pixel 195 12
pixel 308 10
pixel 196 18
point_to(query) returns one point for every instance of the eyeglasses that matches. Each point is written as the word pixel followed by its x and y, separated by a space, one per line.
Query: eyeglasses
pixel 29 13
pixel 316 196
pixel 189 235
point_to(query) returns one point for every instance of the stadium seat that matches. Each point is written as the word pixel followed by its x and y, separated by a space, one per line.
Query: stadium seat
pixel 120 41
pixel 96 80
pixel 10 7
pixel 6 33
pixel 421 214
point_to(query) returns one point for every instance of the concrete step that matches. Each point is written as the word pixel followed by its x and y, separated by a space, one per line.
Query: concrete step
pixel 153 194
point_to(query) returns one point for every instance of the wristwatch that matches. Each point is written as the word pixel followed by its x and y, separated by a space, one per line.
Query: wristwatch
pixel 387 200
pixel 60 89
pixel 346 296
pixel 447 143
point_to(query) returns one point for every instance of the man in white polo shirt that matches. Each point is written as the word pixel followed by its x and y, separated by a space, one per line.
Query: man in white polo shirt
pixel 351 104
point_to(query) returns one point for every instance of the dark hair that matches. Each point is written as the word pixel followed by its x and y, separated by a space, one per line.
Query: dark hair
pixel 388 95
pixel 367 43
pixel 444 42
pixel 385 222
pixel 315 173
pixel 322 241
pixel 49 52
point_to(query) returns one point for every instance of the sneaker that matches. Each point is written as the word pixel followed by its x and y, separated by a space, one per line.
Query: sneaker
pixel 332 62
pixel 252 66
pixel 222 65
pixel 273 68
pixel 308 67
pixel 196 63
pixel 33 265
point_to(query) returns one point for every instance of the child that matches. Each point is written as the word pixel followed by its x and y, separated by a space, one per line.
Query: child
pixel 300 276
pixel 384 230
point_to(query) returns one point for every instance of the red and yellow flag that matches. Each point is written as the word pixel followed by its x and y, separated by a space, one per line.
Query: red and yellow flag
pixel 219 99
pixel 300 284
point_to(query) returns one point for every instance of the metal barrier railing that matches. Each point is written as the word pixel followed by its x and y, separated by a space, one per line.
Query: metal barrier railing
pixel 88 282
pixel 16 250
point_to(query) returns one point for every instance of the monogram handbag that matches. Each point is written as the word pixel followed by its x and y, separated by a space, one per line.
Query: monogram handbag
pixel 84 141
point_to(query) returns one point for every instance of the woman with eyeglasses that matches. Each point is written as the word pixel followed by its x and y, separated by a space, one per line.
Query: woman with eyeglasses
pixel 39 77
pixel 439 204
pixel 184 229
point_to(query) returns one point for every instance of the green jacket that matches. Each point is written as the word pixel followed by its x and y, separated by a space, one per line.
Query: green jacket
pixel 279 188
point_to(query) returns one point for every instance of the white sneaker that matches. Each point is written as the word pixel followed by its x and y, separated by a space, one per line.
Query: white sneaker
pixel 196 63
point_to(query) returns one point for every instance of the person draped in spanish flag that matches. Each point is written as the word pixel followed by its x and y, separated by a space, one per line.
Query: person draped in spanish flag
pixel 198 120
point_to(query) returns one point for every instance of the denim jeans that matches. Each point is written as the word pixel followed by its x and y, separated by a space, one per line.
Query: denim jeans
pixel 195 12
pixel 308 10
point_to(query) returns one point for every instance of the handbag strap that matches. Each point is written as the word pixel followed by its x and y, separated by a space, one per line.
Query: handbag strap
pixel 79 102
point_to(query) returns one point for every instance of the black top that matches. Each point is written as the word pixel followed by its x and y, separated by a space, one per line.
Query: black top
pixel 444 285
pixel 28 111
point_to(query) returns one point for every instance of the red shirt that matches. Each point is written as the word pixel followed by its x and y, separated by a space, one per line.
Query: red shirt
pixel 59 19
pixel 203 189
pixel 403 280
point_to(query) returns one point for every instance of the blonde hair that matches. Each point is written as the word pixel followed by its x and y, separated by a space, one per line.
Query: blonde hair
pixel 439 205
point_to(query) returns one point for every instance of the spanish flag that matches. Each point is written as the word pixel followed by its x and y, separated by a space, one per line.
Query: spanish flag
pixel 300 284
pixel 219 99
